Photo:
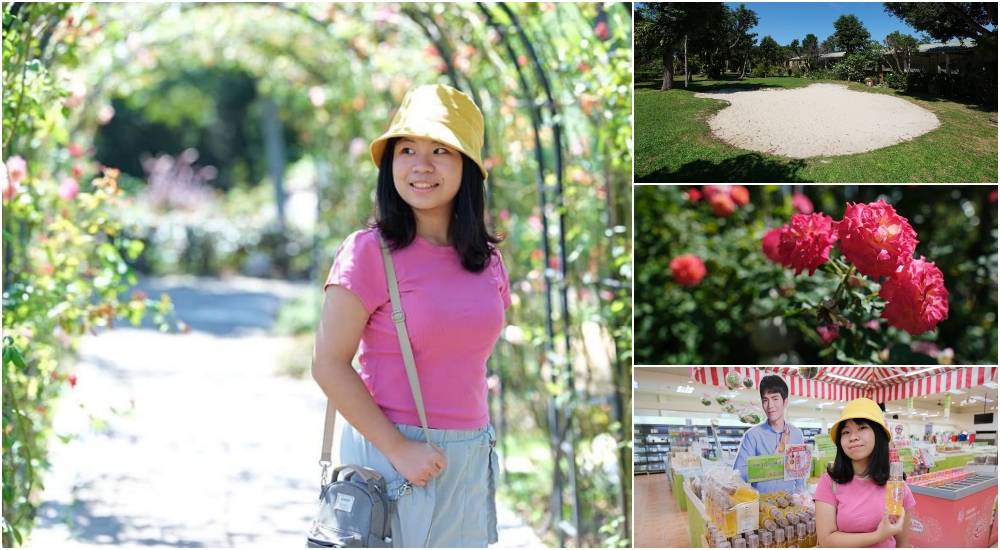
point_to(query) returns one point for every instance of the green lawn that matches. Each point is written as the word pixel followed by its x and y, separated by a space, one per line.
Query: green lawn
pixel 673 142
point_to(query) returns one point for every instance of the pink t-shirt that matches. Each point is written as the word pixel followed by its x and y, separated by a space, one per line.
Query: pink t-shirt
pixel 860 504
pixel 453 317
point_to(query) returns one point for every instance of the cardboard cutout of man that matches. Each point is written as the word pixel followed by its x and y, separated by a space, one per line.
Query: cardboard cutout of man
pixel 771 437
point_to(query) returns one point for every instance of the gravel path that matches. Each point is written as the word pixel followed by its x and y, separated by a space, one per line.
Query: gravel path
pixel 817 120
pixel 213 448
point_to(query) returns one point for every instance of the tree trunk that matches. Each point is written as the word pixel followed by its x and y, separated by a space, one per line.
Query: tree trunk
pixel 687 73
pixel 668 68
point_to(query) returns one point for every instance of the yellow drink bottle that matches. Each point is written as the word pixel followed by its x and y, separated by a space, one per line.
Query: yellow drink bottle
pixel 894 489
pixel 765 540
pixel 790 537
pixel 779 539
pixel 811 533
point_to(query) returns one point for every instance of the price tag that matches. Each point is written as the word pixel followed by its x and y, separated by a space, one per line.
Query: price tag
pixel 765 468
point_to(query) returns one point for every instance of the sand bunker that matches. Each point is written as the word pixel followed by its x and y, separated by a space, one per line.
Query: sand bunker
pixel 817 120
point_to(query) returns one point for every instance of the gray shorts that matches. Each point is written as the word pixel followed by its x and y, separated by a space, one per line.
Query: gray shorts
pixel 454 509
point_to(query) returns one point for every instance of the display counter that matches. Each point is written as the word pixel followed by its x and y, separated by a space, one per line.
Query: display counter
pixel 946 461
pixel 697 519
pixel 958 515
pixel 677 476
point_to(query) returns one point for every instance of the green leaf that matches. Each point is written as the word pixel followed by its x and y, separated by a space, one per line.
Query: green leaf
pixel 15 356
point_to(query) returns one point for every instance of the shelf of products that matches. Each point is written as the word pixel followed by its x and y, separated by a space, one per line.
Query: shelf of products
pixel 654 444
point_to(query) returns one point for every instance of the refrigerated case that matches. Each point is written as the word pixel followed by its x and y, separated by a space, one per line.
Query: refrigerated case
pixel 959 515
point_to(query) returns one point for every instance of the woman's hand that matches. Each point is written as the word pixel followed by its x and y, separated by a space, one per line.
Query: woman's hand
pixel 888 529
pixel 418 462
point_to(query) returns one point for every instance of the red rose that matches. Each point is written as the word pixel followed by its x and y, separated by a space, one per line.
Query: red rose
pixel 992 197
pixel 802 204
pixel 740 195
pixel 722 205
pixel 876 239
pixel 806 242
pixel 693 195
pixel 688 269
pixel 770 245
pixel 916 296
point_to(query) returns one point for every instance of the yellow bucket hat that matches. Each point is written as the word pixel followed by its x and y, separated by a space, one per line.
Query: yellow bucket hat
pixel 861 407
pixel 440 113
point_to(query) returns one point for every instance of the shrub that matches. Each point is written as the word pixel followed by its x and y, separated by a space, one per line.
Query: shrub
pixel 896 81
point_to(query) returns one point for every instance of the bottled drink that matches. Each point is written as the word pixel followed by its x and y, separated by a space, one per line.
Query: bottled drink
pixel 769 524
pixel 738 542
pixel 811 533
pixel 725 544
pixel 801 538
pixel 790 537
pixel 765 540
pixel 753 541
pixel 778 517
pixel 894 489
pixel 779 539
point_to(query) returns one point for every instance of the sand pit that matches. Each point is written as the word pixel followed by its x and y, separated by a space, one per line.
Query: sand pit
pixel 817 120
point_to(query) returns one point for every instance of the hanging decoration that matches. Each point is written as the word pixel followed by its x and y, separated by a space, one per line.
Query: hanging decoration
pixel 705 399
pixel 747 382
pixel 733 380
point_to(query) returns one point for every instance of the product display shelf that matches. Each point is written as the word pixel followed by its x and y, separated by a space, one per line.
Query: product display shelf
pixel 653 444
pixel 729 438
pixel 697 518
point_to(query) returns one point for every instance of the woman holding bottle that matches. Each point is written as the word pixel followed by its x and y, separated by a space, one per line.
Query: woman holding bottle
pixel 862 501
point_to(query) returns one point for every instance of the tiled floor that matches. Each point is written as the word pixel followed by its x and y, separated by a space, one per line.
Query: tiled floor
pixel 659 522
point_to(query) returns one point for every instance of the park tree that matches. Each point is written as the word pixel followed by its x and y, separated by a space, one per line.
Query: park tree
pixel 810 50
pixel 851 35
pixel 901 46
pixel 946 20
pixel 739 39
pixel 829 45
pixel 663 27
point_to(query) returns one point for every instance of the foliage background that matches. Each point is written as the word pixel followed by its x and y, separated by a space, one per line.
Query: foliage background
pixel 712 322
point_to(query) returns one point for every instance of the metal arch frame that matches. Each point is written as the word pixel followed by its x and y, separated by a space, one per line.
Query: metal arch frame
pixel 559 431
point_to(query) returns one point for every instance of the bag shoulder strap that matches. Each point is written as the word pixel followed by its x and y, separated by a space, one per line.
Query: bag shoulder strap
pixel 399 319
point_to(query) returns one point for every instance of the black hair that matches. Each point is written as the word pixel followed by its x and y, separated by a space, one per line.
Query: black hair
pixel 842 470
pixel 774 384
pixel 470 236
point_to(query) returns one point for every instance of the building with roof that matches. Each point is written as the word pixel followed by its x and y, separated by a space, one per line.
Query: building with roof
pixel 944 57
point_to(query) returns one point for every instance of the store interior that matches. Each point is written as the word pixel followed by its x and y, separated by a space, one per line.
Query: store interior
pixel 951 433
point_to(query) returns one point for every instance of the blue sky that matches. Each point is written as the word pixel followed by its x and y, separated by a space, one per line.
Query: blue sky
pixel 786 21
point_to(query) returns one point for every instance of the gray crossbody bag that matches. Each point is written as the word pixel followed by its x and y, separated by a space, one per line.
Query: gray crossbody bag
pixel 355 508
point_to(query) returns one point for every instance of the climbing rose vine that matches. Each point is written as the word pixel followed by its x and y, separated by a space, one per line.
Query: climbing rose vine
pixel 916 296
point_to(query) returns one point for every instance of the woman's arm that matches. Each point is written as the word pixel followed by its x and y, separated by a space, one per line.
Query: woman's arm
pixel 829 537
pixel 903 538
pixel 342 321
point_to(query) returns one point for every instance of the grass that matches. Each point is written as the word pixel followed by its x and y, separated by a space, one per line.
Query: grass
pixel 673 142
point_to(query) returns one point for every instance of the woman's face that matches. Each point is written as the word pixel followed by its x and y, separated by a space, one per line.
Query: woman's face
pixel 427 174
pixel 857 439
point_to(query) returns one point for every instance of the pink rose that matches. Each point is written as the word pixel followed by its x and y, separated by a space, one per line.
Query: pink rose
pixel 740 195
pixel 693 195
pixel 828 333
pixel 916 296
pixel 805 243
pixel 601 30
pixel 872 324
pixel 770 245
pixel 688 269
pixel 876 239
pixel 75 150
pixel 68 188
pixel 802 204
pixel 722 205
pixel 17 169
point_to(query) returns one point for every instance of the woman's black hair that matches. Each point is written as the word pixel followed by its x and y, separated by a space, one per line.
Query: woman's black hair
pixel 470 236
pixel 842 470
pixel 773 383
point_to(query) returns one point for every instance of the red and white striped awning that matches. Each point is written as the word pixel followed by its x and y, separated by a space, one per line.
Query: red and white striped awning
pixel 880 384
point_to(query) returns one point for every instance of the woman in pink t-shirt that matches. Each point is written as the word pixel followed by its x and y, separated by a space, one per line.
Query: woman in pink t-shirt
pixel 454 290
pixel 850 498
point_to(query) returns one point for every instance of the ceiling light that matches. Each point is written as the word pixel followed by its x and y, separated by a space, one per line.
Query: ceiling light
pixel 828 403
pixel 830 374
pixel 841 407
pixel 957 392
pixel 684 389
pixel 991 385
pixel 797 401
pixel 977 398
